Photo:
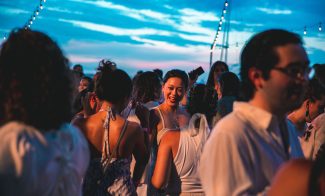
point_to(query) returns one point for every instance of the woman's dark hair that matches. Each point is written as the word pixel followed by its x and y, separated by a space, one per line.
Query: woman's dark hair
pixel 176 73
pixel 315 90
pixel 77 105
pixel 259 52
pixel 145 87
pixel 211 79
pixel 320 73
pixel 202 99
pixel 113 85
pixel 229 84
pixel 35 86
pixel 90 86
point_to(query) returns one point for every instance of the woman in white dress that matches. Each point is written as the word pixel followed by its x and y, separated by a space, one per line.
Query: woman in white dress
pixel 40 154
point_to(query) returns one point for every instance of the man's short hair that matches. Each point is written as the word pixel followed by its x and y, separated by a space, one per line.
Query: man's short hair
pixel 259 52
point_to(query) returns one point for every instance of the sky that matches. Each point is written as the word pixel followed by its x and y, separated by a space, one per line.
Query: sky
pixel 165 34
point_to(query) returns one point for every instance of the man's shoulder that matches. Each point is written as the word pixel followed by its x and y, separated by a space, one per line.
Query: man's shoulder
pixel 232 123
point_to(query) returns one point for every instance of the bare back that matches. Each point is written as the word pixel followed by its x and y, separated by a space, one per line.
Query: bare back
pixel 93 129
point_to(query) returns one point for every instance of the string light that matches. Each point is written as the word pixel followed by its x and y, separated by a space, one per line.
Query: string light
pixel 224 11
pixel 305 30
pixel 320 27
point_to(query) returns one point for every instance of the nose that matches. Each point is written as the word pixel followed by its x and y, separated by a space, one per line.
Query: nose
pixel 174 92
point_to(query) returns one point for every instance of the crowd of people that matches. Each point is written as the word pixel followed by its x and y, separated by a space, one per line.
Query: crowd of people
pixel 63 133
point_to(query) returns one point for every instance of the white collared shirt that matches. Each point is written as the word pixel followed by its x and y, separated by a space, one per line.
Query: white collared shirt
pixel 244 151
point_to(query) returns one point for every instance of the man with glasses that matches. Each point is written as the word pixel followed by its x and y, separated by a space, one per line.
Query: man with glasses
pixel 247 147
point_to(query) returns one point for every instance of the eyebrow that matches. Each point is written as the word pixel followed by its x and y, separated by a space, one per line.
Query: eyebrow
pixel 294 64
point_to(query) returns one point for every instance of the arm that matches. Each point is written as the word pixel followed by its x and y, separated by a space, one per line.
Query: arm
pixel 163 164
pixel 154 120
pixel 141 155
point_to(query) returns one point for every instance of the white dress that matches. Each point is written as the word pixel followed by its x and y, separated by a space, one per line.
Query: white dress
pixel 32 163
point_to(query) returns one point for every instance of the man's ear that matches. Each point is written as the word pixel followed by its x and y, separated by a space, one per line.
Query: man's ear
pixel 256 77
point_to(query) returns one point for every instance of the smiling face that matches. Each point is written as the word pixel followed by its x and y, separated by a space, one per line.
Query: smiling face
pixel 174 91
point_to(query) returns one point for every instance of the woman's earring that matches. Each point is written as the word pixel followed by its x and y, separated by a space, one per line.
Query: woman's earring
pixel 307 110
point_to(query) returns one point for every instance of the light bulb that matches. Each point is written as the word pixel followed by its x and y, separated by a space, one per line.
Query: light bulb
pixel 305 31
pixel 320 27
pixel 224 11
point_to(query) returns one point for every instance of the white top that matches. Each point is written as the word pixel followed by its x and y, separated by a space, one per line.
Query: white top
pixel 133 117
pixel 32 163
pixel 311 144
pixel 189 151
pixel 244 151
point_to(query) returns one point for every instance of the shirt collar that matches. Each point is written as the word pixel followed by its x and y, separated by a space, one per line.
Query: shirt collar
pixel 261 118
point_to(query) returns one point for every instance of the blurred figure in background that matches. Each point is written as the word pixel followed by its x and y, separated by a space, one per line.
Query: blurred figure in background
pixel 146 94
pixel 229 89
pixel 78 69
pixel 216 70
pixel 40 153
pixel 312 106
pixel 86 83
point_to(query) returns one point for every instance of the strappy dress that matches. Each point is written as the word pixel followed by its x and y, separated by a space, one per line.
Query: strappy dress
pixel 115 176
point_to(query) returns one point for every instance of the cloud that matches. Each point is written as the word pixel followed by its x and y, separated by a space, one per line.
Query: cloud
pixel 115 30
pixel 315 42
pixel 141 14
pixel 12 11
pixel 274 11
pixel 83 59
pixel 59 9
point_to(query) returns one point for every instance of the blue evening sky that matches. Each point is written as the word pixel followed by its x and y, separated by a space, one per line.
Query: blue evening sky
pixel 165 34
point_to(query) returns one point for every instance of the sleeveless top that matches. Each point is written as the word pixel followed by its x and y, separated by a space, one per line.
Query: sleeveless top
pixel 154 150
pixel 186 161
pixel 115 172
pixel 164 129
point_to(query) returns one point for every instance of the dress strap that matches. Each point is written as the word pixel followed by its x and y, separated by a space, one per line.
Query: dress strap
pixel 106 157
pixel 162 117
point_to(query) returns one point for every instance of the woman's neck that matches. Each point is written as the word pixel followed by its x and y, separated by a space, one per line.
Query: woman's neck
pixel 107 105
pixel 297 120
pixel 167 108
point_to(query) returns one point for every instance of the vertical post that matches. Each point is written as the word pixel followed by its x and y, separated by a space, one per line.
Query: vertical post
pixel 211 53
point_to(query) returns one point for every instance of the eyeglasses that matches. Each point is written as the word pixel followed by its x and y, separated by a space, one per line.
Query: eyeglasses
pixel 294 71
